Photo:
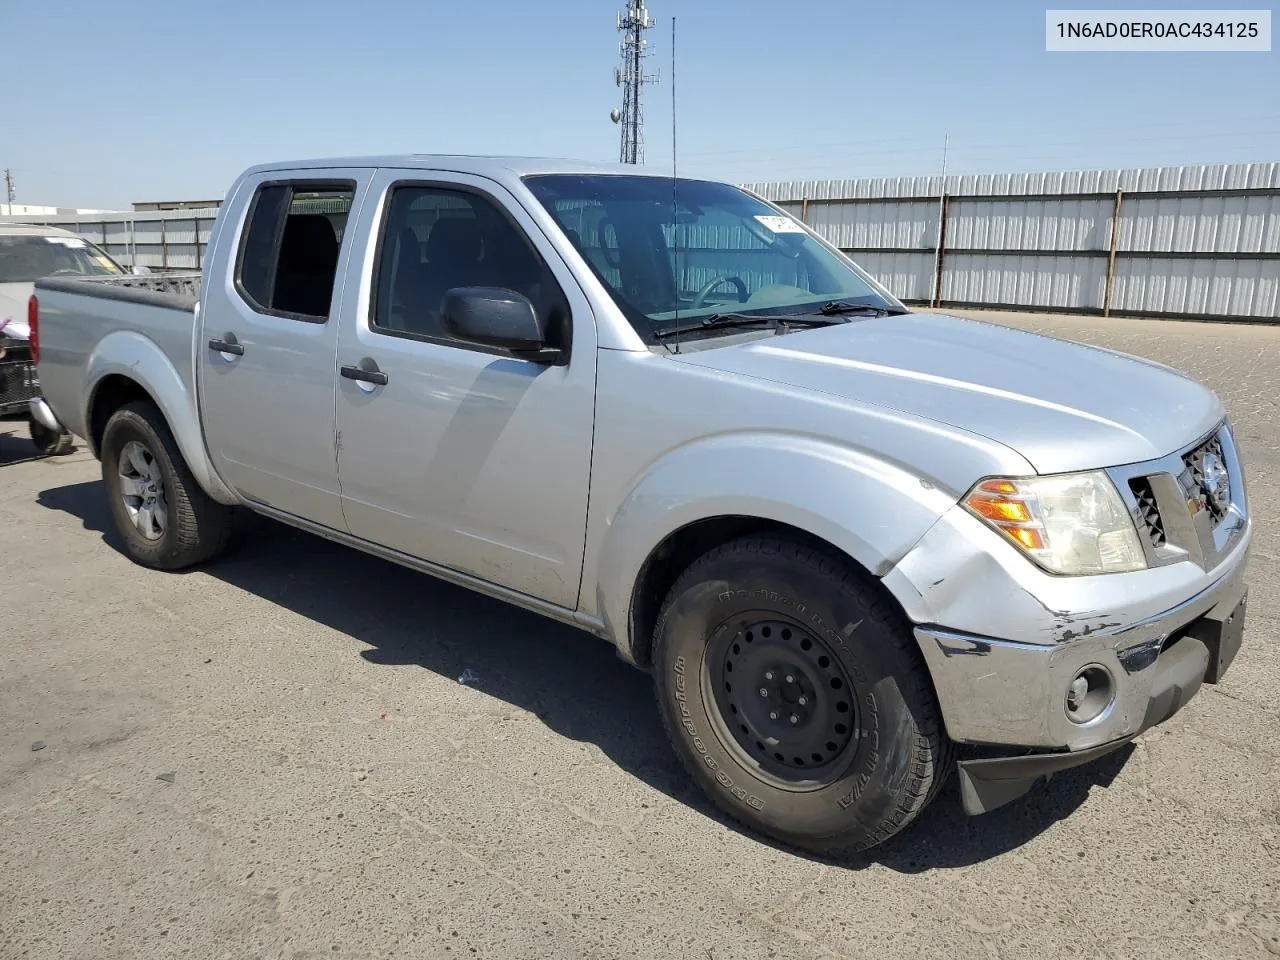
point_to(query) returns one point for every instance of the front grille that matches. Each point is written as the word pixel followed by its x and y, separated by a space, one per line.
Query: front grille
pixel 1152 527
pixel 1187 505
pixel 18 382
pixel 1193 478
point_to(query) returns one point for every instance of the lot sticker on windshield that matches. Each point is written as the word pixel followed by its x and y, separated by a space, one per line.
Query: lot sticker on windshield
pixel 65 241
pixel 780 224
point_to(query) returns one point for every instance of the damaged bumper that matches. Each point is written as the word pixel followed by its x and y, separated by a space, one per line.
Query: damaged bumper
pixel 1060 670
pixel 1201 653
pixel 1005 692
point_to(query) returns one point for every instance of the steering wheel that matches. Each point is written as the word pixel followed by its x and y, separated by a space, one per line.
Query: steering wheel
pixel 64 271
pixel 736 281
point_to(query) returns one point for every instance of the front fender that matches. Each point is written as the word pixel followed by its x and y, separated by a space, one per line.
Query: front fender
pixel 129 354
pixel 872 510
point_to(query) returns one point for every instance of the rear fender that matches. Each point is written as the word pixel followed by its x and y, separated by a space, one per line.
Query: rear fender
pixel 871 510
pixel 131 355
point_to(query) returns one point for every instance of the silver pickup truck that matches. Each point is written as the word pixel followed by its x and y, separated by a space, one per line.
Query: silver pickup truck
pixel 851 542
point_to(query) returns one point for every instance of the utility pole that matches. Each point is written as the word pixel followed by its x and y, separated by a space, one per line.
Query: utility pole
pixel 632 23
pixel 10 193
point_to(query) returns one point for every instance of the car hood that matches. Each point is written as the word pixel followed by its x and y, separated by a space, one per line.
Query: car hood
pixel 13 310
pixel 1063 406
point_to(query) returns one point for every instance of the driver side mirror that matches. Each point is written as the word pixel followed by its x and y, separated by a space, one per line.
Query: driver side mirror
pixel 138 270
pixel 497 317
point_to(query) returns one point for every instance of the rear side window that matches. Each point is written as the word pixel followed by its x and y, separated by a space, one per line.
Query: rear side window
pixel 289 254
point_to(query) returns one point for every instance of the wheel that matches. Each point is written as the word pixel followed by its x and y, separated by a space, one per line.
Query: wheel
pixel 50 443
pixel 796 696
pixel 165 519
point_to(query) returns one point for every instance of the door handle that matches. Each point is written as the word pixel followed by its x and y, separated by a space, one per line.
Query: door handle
pixel 363 375
pixel 228 345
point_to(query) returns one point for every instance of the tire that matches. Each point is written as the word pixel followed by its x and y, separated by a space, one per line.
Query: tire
pixel 50 443
pixel 824 636
pixel 196 527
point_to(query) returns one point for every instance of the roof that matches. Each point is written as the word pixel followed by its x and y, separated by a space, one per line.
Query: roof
pixel 32 230
pixel 484 166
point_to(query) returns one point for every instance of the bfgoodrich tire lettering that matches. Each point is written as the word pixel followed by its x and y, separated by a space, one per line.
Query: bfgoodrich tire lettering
pixel 853 789
pixel 196 527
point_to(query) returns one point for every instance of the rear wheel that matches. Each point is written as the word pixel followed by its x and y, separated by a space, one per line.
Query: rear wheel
pixel 50 443
pixel 165 519
pixel 795 694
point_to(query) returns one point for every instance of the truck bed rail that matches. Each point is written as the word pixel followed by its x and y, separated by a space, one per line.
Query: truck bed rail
pixel 176 290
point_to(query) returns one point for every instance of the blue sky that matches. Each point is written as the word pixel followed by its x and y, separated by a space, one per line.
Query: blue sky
pixel 109 103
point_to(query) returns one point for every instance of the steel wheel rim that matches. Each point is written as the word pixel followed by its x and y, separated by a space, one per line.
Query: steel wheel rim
pixel 142 490
pixel 755 709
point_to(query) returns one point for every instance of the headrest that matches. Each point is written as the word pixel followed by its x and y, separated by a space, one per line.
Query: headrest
pixel 454 239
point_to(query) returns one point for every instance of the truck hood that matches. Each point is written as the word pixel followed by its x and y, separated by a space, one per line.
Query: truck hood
pixel 1063 406
pixel 13 310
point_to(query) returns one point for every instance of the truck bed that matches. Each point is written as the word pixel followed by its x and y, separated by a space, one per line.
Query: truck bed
pixel 77 315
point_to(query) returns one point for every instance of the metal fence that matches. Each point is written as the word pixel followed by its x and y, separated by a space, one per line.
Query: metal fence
pixel 1181 242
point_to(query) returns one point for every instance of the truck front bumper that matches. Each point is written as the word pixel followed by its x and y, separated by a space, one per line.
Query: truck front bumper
pixel 1146 640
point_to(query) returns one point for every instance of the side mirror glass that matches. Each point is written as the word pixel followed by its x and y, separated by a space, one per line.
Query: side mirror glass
pixel 496 317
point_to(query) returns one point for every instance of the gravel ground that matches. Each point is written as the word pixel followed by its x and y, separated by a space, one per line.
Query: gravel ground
pixel 274 757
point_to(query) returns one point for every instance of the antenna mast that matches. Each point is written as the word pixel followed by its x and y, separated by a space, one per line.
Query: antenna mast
pixel 632 23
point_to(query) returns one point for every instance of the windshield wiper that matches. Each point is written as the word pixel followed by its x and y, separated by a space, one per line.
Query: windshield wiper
pixel 835 307
pixel 721 321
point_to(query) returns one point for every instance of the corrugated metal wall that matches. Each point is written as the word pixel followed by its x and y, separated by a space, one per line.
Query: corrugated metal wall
pixel 1194 242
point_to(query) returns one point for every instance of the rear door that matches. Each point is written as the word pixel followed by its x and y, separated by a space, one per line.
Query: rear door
pixel 268 339
pixel 466 457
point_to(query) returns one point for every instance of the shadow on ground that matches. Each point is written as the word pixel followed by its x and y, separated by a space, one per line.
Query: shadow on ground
pixel 15 445
pixel 15 442
pixel 573 682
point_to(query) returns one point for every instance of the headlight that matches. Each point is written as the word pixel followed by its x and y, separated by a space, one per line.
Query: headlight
pixel 1073 523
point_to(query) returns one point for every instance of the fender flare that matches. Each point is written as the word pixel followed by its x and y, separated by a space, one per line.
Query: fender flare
pixel 129 354
pixel 871 510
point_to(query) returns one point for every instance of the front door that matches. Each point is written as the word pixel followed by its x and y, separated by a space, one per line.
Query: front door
pixel 267 343
pixel 462 456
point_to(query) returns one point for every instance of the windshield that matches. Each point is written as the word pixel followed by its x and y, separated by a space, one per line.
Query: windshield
pixel 27 258
pixel 677 256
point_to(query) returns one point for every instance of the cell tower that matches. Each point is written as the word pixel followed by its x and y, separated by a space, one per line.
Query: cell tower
pixel 11 194
pixel 632 23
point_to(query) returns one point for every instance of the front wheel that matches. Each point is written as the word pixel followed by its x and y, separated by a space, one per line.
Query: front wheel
pixel 796 696
pixel 165 519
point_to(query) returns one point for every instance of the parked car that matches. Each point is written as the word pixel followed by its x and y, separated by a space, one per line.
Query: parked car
pixel 28 252
pixel 844 537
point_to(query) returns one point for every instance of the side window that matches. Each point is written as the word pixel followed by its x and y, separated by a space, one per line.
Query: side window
pixel 289 255
pixel 436 238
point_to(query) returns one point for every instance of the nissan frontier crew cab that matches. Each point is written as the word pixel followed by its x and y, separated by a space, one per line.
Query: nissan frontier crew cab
pixel 851 542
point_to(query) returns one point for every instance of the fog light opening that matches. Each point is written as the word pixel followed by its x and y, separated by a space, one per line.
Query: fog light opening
pixel 1089 694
